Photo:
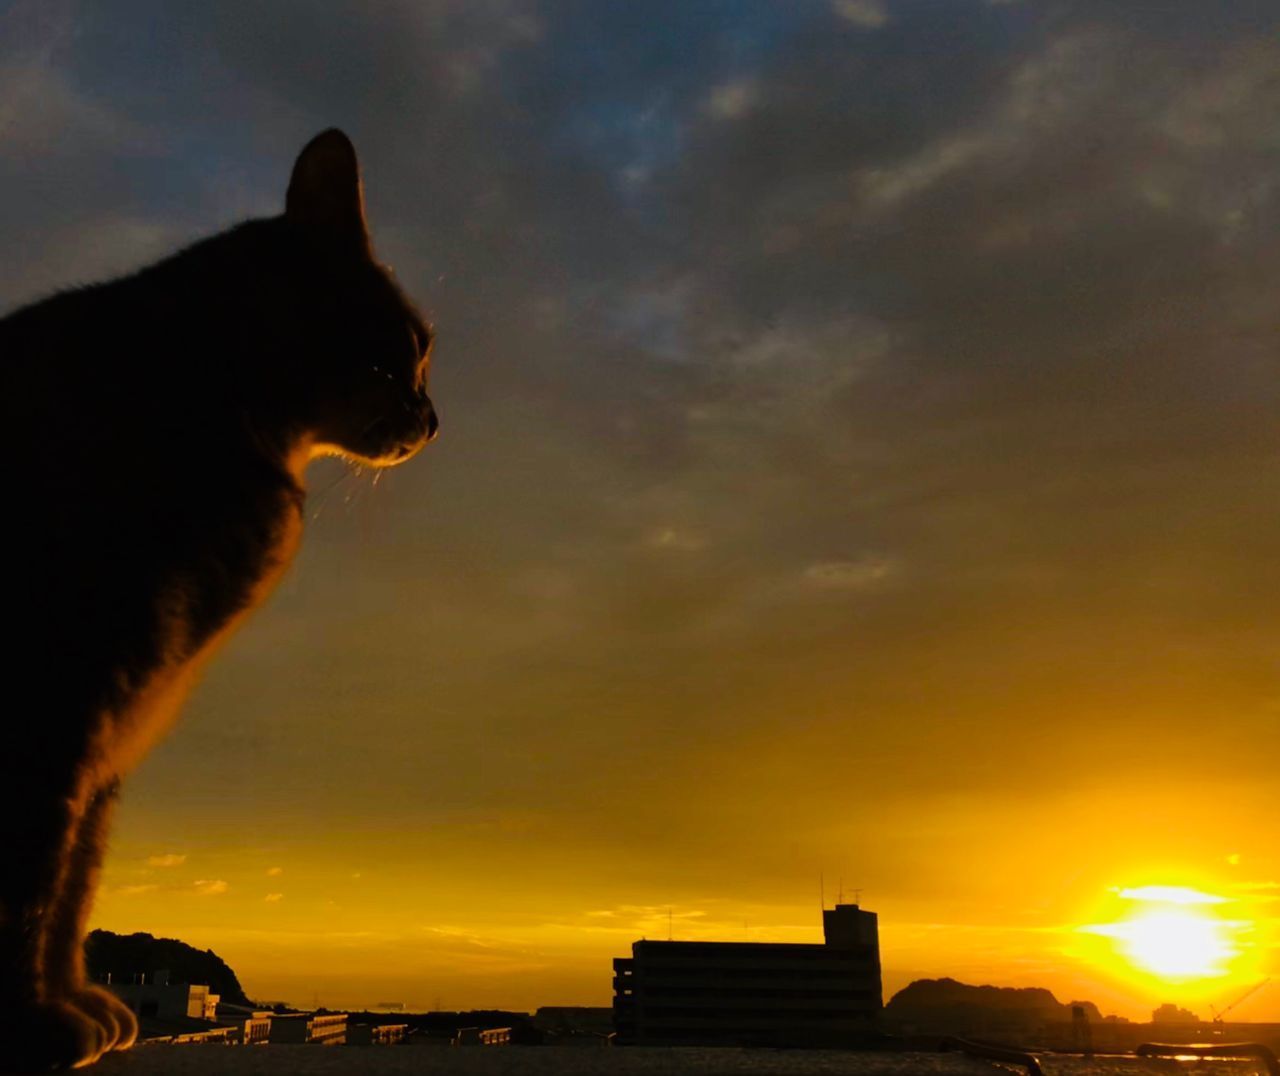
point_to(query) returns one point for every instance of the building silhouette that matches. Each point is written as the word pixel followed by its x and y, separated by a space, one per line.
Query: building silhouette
pixel 164 1000
pixel 753 993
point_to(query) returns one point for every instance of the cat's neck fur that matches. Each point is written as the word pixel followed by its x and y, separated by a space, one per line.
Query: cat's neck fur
pixel 175 332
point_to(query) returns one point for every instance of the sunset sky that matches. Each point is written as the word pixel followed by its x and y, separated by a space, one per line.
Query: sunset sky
pixel 860 459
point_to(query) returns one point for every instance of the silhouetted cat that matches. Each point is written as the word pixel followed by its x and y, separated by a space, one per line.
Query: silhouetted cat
pixel 154 432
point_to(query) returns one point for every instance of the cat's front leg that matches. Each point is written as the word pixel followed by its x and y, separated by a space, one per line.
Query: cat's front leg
pixel 64 974
pixel 48 1037
pixel 40 813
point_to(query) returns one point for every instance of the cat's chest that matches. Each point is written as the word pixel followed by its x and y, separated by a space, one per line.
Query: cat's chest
pixel 139 573
pixel 222 565
pixel 193 611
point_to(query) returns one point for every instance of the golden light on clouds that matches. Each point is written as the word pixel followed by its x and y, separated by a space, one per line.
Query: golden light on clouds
pixel 210 887
pixel 1171 894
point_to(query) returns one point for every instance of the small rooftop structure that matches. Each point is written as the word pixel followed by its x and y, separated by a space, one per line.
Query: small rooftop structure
pixel 325 1029
pixel 376 1034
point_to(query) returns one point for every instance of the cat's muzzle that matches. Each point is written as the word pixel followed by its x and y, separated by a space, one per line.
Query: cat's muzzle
pixel 399 444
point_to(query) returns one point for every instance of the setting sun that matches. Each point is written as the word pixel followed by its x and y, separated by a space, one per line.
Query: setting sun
pixel 1174 935
pixel 1174 944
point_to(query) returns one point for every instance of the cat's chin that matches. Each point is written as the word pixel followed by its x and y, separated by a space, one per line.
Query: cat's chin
pixel 392 458
pixel 382 443
pixel 400 454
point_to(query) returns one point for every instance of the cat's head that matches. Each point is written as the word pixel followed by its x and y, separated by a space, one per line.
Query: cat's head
pixel 366 349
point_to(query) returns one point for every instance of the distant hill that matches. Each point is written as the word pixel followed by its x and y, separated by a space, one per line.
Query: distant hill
pixel 124 956
pixel 948 1007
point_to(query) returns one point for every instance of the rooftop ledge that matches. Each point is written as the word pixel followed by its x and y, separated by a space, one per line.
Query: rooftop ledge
pixel 281 1060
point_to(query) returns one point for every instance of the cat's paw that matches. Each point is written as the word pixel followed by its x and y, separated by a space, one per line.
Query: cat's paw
pixel 119 1025
pixel 48 1037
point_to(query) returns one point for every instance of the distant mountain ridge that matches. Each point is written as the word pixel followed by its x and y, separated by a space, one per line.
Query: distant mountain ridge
pixel 946 1005
pixel 126 956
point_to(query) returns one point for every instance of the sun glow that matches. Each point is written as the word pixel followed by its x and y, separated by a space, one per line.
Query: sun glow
pixel 1170 894
pixel 1173 936
pixel 1174 943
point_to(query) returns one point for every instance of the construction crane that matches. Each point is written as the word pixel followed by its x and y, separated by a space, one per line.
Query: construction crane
pixel 1220 1015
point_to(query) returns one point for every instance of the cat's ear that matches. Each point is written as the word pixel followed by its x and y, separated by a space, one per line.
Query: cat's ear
pixel 326 195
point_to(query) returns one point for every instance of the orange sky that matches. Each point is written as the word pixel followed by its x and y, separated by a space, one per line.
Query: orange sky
pixel 859 458
pixel 508 909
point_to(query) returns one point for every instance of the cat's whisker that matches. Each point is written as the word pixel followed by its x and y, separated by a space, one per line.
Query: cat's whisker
pixel 321 498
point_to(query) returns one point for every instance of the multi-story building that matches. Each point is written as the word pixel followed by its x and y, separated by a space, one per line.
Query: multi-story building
pixel 753 993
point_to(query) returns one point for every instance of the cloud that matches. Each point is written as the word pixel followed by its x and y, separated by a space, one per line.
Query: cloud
pixel 135 890
pixel 1170 894
pixel 274 872
pixel 273 898
pixel 38 101
pixel 730 100
pixel 675 539
pixel 167 859
pixel 210 887
pixel 473 950
pixel 865 14
pixel 850 575
pixel 632 914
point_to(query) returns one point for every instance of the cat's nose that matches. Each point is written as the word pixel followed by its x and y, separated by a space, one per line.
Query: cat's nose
pixel 433 423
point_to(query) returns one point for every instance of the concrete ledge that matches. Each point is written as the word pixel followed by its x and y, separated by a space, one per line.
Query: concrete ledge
pixel 156 1060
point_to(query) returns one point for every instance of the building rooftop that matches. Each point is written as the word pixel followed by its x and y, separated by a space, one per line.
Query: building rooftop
pixel 745 948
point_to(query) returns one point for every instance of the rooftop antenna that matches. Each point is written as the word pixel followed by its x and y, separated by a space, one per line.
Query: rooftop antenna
pixel 857 896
